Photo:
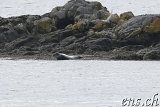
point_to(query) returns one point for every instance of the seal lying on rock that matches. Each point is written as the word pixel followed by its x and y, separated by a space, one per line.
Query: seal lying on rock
pixel 61 56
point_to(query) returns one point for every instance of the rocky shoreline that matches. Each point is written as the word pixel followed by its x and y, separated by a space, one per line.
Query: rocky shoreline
pixel 81 27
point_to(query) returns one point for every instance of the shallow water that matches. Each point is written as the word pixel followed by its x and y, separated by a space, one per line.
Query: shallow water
pixel 38 83
pixel 36 7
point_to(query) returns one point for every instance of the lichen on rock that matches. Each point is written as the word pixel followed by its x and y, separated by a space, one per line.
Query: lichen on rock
pixel 138 25
pixel 115 19
pixel 80 26
pixel 153 27
pixel 98 6
pixel 44 25
pixel 135 32
pixel 100 26
pixel 126 16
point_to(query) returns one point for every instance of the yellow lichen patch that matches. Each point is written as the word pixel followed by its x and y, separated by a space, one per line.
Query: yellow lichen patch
pixel 56 9
pixel 98 6
pixel 78 26
pixel 115 18
pixel 153 27
pixel 135 32
pixel 126 16
pixel 44 25
pixel 107 15
pixel 100 25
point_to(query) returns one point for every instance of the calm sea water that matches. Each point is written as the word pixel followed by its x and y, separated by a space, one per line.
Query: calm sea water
pixel 39 83
pixel 38 7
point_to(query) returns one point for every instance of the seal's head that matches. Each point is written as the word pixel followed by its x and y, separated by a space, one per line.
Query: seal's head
pixel 60 56
pixel 56 54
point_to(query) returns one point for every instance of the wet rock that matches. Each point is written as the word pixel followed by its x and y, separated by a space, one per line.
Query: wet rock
pixel 23 41
pixel 142 52
pixel 101 44
pixel 75 48
pixel 67 41
pixel 130 48
pixel 30 53
pixel 126 57
pixel 152 55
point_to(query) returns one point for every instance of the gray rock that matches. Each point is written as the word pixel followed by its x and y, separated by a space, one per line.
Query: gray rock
pixel 131 48
pixel 101 44
pixel 142 52
pixel 30 22
pixel 77 10
pixel 20 28
pixel 44 25
pixel 60 15
pixel 152 55
pixel 133 30
pixel 133 24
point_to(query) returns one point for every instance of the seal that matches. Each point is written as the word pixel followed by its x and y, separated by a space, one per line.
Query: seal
pixel 61 56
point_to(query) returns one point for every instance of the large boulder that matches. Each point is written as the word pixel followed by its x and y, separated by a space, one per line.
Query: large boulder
pixel 140 29
pixel 78 10
pixel 44 25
